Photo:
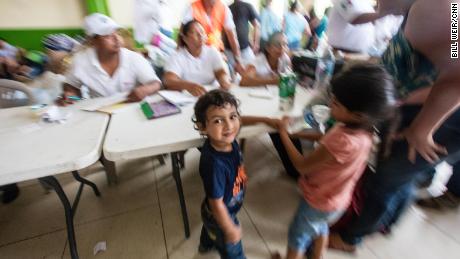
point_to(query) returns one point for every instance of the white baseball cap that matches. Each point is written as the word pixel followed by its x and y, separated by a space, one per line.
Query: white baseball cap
pixel 99 24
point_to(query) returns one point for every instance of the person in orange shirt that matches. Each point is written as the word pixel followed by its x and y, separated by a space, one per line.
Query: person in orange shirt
pixel 216 18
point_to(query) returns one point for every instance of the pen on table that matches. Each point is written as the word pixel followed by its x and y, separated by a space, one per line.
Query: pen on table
pixel 74 98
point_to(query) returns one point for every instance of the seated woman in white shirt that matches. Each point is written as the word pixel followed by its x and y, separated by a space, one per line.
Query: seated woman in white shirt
pixel 194 64
pixel 268 64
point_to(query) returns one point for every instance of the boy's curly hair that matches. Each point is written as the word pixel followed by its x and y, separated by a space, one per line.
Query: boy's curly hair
pixel 218 98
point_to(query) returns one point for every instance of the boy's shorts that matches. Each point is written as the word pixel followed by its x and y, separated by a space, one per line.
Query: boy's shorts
pixel 213 236
pixel 309 223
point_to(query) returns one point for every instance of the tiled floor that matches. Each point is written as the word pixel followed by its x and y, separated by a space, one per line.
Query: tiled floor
pixel 140 217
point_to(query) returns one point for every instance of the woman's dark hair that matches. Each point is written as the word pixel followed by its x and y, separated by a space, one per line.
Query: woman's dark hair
pixel 184 29
pixel 366 89
pixel 272 39
pixel 293 6
pixel 218 98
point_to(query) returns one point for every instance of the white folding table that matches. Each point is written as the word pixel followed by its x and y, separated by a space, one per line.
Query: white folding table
pixel 31 149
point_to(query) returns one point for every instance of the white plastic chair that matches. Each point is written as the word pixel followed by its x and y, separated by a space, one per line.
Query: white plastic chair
pixel 14 94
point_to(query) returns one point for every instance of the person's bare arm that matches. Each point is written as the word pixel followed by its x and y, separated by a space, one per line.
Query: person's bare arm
pixel 142 91
pixel 442 101
pixel 250 78
pixel 174 82
pixel 367 17
pixel 256 35
pixel 418 96
pixel 307 164
pixel 308 135
pixel 251 120
pixel 427 29
pixel 223 79
pixel 235 46
pixel 219 211
pixel 386 7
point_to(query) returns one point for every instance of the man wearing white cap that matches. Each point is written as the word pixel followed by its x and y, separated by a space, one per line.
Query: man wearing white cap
pixel 106 68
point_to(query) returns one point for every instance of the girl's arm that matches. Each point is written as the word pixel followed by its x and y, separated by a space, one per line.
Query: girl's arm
pixel 251 120
pixel 219 211
pixel 308 135
pixel 307 164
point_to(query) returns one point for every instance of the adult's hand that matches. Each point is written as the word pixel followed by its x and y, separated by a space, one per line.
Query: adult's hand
pixel 137 94
pixel 196 89
pixel 423 144
pixel 64 100
pixel 69 96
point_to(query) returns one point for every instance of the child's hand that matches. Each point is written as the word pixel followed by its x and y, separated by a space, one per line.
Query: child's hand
pixel 272 123
pixel 283 124
pixel 234 235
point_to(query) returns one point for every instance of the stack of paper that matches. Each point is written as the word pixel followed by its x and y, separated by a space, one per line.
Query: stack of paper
pixel 178 98
pixel 55 114
pixel 105 104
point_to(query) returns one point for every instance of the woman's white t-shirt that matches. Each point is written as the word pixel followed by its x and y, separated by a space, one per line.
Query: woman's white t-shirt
pixel 263 69
pixel 199 70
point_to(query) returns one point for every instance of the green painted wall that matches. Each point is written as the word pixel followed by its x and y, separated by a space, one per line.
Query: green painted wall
pixel 30 39
pixel 97 6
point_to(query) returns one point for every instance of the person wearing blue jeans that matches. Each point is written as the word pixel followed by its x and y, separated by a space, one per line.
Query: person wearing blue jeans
pixel 212 236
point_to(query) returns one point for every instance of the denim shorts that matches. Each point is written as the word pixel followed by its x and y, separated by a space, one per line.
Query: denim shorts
pixel 309 223
pixel 213 236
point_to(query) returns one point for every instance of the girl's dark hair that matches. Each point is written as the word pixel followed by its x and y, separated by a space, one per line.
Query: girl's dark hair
pixel 184 29
pixel 367 89
pixel 218 98
pixel 293 6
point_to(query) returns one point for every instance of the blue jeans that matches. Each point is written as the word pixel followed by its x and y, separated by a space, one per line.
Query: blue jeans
pixel 388 191
pixel 213 236
pixel 308 224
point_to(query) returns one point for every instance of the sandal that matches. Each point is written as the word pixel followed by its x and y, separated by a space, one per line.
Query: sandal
pixel 337 243
pixel 447 200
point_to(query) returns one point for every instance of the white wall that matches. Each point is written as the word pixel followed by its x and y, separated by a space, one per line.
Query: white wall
pixel 122 10
pixel 41 13
pixel 69 13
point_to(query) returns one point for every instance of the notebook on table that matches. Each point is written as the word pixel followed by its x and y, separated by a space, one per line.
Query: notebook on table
pixel 159 109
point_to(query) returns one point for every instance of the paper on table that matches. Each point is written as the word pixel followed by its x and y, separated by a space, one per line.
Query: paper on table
pixel 177 97
pixel 98 104
pixel 55 114
pixel 261 92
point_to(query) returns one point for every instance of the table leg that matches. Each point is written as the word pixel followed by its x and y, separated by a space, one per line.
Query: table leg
pixel 161 159
pixel 87 182
pixel 177 164
pixel 110 170
pixel 53 183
